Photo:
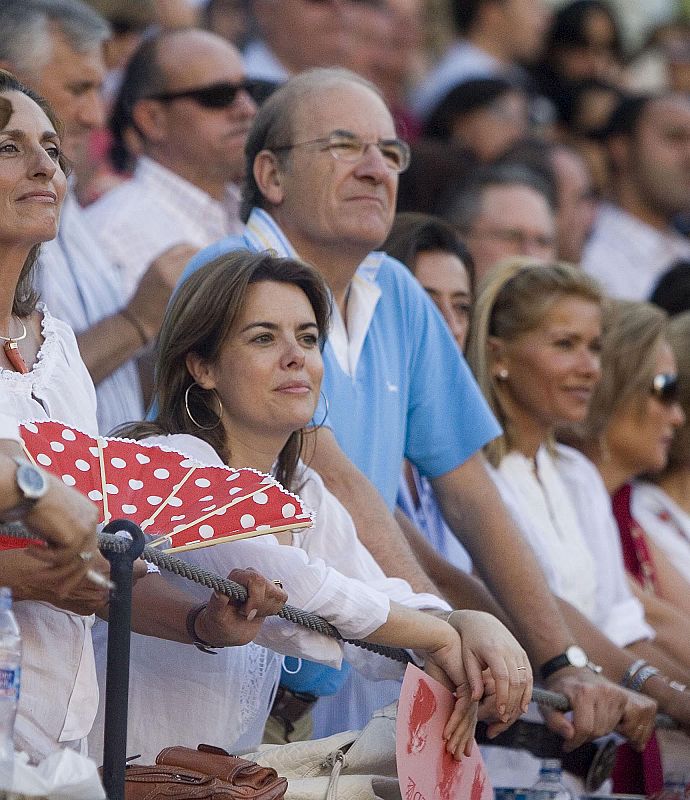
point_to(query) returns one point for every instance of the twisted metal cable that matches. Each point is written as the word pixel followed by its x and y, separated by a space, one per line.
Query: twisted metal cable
pixel 306 619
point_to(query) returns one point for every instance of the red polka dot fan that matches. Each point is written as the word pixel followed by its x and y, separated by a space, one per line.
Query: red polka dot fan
pixel 183 503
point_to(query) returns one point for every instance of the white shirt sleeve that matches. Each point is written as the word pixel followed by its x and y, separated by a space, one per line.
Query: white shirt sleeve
pixel 355 608
pixel 8 428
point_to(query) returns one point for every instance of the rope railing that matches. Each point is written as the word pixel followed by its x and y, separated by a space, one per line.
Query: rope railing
pixel 237 592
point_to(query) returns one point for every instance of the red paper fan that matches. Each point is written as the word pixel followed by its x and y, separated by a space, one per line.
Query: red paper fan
pixel 184 503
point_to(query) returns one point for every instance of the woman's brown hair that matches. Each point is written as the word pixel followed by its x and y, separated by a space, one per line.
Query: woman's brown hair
pixel 199 319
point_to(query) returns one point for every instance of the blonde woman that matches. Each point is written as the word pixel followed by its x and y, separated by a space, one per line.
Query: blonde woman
pixel 535 348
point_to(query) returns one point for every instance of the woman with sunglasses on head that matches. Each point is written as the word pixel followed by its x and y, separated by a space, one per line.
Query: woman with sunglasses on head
pixel 535 348
pixel 660 501
pixel 238 378
pixel 629 431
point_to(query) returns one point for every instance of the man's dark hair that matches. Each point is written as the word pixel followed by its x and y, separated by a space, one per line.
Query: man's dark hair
pixel 142 78
pixel 465 13
pixel 672 292
pixel 462 205
pixel 626 116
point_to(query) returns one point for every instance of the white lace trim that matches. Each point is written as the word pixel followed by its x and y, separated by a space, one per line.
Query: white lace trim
pixel 41 371
pixel 252 686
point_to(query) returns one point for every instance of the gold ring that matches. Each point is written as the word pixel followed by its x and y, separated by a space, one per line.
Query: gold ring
pixel 279 584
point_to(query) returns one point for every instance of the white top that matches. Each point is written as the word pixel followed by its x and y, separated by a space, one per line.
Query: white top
pixel 59 693
pixel 156 209
pixel 81 287
pixel 627 256
pixel 261 63
pixel 8 427
pixel 180 695
pixel 581 554
pixel 664 521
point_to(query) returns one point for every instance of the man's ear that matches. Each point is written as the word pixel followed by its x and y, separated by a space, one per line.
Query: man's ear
pixel 149 119
pixel 269 177
pixel 202 372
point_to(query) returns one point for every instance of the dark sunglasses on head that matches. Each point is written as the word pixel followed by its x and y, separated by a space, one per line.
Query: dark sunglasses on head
pixel 217 95
pixel 665 387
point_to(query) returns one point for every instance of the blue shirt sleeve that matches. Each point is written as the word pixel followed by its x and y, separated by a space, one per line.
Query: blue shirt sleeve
pixel 448 418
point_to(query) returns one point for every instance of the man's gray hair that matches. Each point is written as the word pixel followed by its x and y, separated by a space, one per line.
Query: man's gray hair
pixel 273 124
pixel 25 36
pixel 463 204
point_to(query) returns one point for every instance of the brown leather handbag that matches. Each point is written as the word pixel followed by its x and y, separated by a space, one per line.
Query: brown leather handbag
pixel 208 773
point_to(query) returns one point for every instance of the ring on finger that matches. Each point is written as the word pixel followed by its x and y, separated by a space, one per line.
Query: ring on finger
pixel 278 583
pixel 86 555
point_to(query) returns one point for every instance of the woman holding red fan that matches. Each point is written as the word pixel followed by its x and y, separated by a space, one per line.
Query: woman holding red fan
pixel 43 377
pixel 238 379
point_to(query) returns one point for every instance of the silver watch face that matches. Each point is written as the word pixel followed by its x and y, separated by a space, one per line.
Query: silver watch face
pixel 31 481
pixel 577 656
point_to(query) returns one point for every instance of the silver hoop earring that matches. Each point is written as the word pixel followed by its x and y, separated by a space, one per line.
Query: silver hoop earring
pixel 189 413
pixel 325 416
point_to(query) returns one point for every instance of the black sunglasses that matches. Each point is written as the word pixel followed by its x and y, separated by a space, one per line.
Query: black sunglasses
pixel 217 95
pixel 665 388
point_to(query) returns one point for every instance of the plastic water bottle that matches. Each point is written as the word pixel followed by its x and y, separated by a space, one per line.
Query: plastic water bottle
pixel 10 666
pixel 550 785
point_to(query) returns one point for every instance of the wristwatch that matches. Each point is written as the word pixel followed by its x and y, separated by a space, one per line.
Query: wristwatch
pixel 32 485
pixel 574 656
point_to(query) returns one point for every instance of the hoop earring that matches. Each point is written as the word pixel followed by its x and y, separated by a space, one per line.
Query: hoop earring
pixel 189 413
pixel 325 416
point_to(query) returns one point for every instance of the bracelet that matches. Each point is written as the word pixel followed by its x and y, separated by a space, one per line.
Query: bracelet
pixel 134 322
pixel 641 676
pixel 199 643
pixel 631 671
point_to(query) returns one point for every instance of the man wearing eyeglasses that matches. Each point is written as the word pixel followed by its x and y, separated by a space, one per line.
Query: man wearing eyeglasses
pixel 323 161
pixel 185 102
pixel 502 211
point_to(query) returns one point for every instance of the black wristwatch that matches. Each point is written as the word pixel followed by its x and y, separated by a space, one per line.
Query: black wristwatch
pixel 574 656
pixel 32 485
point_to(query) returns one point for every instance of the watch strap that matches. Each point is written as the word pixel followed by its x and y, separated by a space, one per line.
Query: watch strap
pixel 553 665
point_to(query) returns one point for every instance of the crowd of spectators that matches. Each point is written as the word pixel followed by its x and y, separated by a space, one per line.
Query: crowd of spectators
pixel 531 171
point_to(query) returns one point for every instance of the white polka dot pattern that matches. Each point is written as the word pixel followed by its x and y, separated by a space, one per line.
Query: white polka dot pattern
pixel 165 492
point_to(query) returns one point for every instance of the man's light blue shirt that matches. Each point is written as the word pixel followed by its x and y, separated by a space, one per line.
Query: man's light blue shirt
pixel 409 394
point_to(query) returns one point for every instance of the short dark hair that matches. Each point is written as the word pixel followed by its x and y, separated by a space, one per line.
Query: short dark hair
pixel 462 99
pixel 25 296
pixel 465 13
pixel 462 204
pixel 142 78
pixel 672 291
pixel 414 233
pixel 626 116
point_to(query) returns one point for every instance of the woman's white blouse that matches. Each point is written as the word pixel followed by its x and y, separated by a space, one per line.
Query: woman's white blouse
pixel 226 698
pixel 565 514
pixel 59 693
pixel 664 521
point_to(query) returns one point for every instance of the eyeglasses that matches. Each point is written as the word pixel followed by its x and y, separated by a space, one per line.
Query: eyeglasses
pixel 515 237
pixel 665 388
pixel 348 147
pixel 217 95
